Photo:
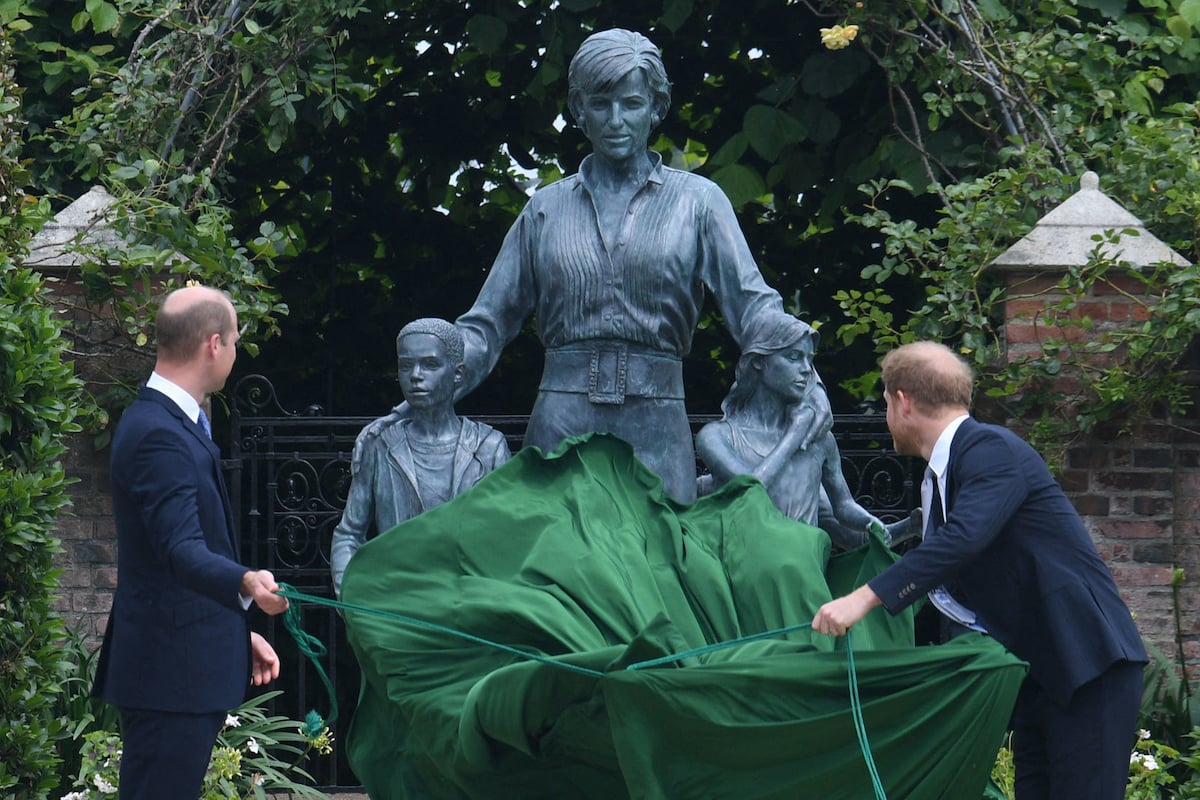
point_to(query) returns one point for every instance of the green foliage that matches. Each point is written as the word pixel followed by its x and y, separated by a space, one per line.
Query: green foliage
pixel 159 96
pixel 82 714
pixel 255 754
pixel 40 400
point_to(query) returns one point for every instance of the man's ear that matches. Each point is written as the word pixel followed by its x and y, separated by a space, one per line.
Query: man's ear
pixel 460 374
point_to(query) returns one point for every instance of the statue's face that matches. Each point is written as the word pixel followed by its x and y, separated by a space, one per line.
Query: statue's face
pixel 427 377
pixel 618 121
pixel 788 372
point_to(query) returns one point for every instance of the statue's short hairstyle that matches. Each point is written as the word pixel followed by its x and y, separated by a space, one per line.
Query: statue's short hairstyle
pixel 605 58
pixel 930 373
pixel 448 334
pixel 764 336
pixel 179 333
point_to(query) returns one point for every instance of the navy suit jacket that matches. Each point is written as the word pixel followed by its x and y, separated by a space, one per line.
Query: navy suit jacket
pixel 178 638
pixel 1014 550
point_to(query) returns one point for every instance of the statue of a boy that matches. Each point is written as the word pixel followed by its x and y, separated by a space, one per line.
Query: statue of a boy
pixel 403 465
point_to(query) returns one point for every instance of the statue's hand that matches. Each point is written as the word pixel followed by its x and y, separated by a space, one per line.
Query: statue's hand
pixel 822 422
pixel 880 531
pixel 395 415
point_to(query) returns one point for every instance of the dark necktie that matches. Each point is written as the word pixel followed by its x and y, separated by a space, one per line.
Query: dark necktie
pixel 936 517
pixel 940 596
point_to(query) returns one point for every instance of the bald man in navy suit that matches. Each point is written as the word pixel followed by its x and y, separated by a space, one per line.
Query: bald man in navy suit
pixel 178 652
pixel 1007 554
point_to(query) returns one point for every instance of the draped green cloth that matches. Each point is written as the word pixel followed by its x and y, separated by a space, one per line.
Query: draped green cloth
pixel 579 555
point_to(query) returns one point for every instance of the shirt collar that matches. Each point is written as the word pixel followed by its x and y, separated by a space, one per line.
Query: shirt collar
pixel 178 395
pixel 583 179
pixel 939 458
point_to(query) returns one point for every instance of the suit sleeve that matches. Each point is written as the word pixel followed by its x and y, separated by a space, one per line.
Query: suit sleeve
pixel 171 484
pixel 988 487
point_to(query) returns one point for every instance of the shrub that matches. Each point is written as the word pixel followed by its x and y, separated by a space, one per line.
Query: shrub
pixel 39 403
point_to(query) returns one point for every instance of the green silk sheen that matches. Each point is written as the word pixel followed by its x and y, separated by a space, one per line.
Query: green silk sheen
pixel 581 556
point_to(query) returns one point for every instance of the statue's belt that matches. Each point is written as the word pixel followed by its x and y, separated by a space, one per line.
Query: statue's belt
pixel 608 372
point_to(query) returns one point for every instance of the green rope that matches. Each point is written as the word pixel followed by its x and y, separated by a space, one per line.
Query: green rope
pixel 860 726
pixel 710 648
pixel 291 594
pixel 313 648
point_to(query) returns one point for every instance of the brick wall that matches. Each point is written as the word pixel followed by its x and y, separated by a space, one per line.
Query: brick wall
pixel 1138 492
pixel 89 543
pixel 1127 488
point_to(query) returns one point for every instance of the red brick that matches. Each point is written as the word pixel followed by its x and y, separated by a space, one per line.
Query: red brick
pixel 1021 333
pixel 1091 505
pixel 1133 575
pixel 1032 283
pixel 1113 528
pixel 1024 309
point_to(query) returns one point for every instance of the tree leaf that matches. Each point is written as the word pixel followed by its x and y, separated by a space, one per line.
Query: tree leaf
pixel 828 74
pixel 675 13
pixel 731 151
pixel 770 130
pixel 1179 26
pixel 740 183
pixel 1190 10
pixel 487 33
pixel 105 16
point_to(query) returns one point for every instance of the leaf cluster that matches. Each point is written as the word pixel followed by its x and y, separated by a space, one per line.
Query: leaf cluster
pixel 40 403
pixel 256 755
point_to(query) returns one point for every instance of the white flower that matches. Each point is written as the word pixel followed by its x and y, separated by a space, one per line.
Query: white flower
pixel 232 722
pixel 252 745
pixel 74 796
pixel 1143 734
pixel 1145 760
pixel 103 785
pixel 259 779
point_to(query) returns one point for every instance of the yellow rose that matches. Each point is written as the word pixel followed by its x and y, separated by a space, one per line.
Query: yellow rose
pixel 838 36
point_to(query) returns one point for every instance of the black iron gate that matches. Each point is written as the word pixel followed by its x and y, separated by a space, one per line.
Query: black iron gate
pixel 289 473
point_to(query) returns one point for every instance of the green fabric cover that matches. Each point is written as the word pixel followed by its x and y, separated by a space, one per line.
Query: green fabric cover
pixel 581 555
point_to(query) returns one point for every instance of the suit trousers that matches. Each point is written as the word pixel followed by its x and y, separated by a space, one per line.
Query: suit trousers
pixel 1079 751
pixel 165 754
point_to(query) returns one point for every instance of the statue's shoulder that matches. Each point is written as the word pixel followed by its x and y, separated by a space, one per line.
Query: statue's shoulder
pixel 689 180
pixel 484 440
pixel 478 432
pixel 553 192
pixel 378 428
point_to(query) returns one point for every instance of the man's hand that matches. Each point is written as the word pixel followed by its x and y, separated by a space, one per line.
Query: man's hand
pixel 264 663
pixel 260 586
pixel 837 616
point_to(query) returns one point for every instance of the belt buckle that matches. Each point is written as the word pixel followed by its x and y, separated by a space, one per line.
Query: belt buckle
pixel 606 374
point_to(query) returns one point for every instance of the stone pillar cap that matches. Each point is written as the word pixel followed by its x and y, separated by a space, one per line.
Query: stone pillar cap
pixel 1064 237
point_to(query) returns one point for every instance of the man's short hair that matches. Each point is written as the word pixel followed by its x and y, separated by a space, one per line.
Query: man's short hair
pixel 179 333
pixel 605 58
pixel 449 336
pixel 930 373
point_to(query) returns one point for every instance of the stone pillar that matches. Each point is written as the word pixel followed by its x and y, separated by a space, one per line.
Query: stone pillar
pixel 1139 491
